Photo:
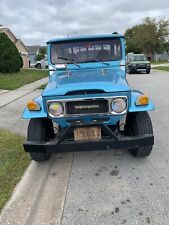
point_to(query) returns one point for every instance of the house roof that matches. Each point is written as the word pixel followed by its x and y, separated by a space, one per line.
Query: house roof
pixel 33 49
pixel 14 40
pixel 4 29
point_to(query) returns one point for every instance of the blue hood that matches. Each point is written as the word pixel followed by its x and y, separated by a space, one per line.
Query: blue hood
pixel 87 79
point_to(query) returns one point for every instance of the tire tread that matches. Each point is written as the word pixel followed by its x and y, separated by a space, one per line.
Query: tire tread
pixel 140 123
pixel 37 132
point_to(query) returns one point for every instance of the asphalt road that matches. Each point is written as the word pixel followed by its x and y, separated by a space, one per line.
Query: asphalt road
pixel 97 188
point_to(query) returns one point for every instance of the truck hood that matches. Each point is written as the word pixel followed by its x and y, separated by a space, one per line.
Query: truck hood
pixel 108 80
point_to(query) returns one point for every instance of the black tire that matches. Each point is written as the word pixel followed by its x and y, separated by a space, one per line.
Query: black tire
pixel 129 70
pixel 147 71
pixel 40 130
pixel 38 66
pixel 139 123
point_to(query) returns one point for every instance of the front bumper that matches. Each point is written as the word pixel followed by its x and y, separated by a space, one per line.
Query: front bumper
pixel 110 141
pixel 140 68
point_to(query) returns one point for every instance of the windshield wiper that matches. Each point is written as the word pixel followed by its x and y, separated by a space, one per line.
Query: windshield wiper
pixel 69 60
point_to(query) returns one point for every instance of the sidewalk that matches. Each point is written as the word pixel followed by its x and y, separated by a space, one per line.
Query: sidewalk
pixel 39 197
pixel 7 97
pixel 3 91
pixel 157 65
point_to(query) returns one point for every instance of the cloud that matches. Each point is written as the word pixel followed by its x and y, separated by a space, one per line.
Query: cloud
pixel 34 22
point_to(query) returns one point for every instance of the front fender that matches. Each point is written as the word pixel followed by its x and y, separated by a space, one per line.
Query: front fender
pixel 136 108
pixel 35 114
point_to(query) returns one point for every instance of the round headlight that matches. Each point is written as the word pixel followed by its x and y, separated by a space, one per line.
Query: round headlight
pixel 55 109
pixel 118 105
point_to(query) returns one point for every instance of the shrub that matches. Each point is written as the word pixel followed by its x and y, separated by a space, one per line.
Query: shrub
pixel 10 59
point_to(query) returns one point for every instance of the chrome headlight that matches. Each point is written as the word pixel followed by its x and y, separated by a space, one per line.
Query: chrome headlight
pixel 55 109
pixel 119 105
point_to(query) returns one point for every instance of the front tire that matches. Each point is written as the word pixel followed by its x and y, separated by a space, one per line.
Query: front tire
pixel 139 123
pixel 147 71
pixel 38 66
pixel 40 130
pixel 129 71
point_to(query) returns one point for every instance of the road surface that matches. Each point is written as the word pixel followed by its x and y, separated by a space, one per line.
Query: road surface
pixel 96 188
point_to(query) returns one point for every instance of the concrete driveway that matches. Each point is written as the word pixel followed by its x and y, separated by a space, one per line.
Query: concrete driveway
pixel 97 188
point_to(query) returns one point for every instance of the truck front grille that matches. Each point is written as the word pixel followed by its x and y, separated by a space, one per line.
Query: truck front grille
pixel 141 66
pixel 87 107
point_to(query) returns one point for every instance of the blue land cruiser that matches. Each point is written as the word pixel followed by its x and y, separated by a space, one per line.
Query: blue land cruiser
pixel 87 104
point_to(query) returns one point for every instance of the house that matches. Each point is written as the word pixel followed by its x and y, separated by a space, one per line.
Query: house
pixel 19 45
pixel 161 56
pixel 33 51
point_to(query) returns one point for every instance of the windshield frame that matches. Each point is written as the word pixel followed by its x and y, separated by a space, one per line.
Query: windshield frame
pixel 87 40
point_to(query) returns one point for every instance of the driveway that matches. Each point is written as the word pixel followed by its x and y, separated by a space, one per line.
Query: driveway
pixel 97 188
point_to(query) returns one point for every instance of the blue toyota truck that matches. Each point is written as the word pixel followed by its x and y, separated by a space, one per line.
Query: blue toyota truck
pixel 87 104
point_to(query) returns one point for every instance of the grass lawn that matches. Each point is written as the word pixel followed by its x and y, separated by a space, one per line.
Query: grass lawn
pixel 164 68
pixel 16 80
pixel 159 62
pixel 13 162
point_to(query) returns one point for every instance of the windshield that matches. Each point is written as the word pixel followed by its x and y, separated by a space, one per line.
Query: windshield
pixel 86 51
pixel 139 58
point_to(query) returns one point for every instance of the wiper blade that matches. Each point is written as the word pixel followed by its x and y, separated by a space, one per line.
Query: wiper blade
pixel 69 60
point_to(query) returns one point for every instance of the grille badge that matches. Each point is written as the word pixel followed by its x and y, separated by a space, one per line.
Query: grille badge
pixel 86 106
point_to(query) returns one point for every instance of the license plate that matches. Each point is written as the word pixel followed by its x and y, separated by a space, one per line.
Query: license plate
pixel 87 133
pixel 140 69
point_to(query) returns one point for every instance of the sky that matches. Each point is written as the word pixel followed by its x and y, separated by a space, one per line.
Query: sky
pixel 37 21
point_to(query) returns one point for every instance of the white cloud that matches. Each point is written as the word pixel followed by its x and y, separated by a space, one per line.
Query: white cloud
pixel 37 21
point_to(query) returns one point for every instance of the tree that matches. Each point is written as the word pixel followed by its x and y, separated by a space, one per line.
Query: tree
pixel 41 54
pixel 166 46
pixel 148 37
pixel 10 59
pixel 131 45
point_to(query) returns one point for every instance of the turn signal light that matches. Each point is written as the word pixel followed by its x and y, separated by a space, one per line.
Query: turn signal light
pixel 142 100
pixel 33 106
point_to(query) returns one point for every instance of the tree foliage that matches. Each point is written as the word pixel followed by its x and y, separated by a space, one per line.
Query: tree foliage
pixel 148 37
pixel 41 54
pixel 10 59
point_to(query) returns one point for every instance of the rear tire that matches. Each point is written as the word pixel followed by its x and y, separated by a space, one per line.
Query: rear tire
pixel 139 123
pixel 40 130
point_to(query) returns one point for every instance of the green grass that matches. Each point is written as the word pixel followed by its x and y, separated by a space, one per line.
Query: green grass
pixel 16 80
pixel 159 62
pixel 42 86
pixel 164 68
pixel 13 162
